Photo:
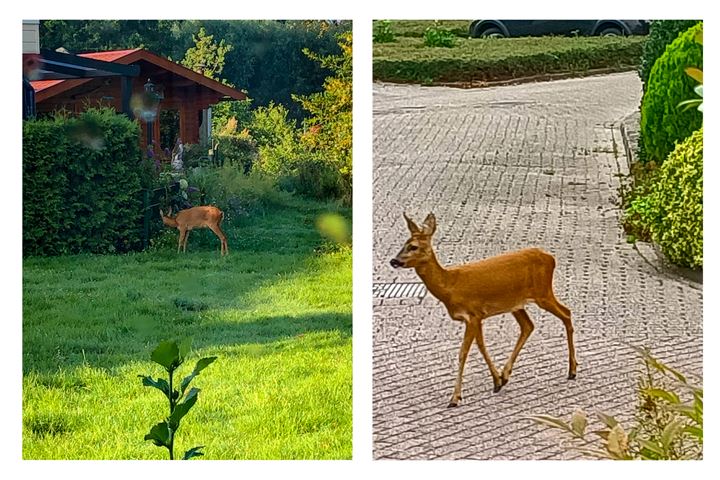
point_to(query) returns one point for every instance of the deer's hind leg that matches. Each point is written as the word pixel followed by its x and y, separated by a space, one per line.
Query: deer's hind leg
pixel 552 305
pixel 223 239
pixel 526 328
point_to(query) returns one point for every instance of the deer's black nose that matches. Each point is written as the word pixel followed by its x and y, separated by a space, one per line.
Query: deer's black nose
pixel 395 263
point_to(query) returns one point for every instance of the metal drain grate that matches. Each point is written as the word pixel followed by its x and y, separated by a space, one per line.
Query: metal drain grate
pixel 399 290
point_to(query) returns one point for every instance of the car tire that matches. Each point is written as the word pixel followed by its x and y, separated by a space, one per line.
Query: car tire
pixel 492 32
pixel 610 32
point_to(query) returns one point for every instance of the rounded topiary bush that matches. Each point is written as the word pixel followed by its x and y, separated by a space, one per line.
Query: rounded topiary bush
pixel 673 210
pixel 662 33
pixel 662 122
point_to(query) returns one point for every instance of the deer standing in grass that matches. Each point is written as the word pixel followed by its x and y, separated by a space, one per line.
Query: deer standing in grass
pixel 475 291
pixel 197 217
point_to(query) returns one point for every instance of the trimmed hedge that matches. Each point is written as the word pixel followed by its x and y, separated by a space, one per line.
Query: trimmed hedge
pixel 81 184
pixel 662 123
pixel 673 210
pixel 662 33
pixel 491 59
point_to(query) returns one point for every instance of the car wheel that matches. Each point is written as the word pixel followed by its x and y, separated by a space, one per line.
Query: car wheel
pixel 610 32
pixel 492 32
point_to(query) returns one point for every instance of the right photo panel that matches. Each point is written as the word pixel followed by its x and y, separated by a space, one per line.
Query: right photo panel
pixel 538 239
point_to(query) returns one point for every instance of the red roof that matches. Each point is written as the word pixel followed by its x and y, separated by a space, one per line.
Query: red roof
pixel 109 56
pixel 126 57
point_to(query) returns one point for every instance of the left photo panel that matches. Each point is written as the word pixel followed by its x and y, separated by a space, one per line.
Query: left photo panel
pixel 187 239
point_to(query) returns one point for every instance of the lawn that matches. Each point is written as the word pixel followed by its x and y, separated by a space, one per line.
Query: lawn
pixel 408 59
pixel 276 312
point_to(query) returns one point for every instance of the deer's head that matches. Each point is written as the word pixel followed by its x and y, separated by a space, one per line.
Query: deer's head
pixel 167 219
pixel 417 249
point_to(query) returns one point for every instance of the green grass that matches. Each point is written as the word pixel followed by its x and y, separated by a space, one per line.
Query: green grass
pixel 276 311
pixel 494 59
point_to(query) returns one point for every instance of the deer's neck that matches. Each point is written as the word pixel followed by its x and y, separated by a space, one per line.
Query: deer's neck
pixel 434 276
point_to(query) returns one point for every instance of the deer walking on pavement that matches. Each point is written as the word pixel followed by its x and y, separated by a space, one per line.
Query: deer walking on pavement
pixel 197 217
pixel 477 290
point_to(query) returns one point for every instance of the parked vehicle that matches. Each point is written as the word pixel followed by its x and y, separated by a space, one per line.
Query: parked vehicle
pixel 535 28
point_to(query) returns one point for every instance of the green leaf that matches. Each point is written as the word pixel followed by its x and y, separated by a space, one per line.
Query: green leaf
pixel 696 432
pixel 161 384
pixel 551 421
pixel 199 367
pixel 184 348
pixel 182 408
pixel 160 435
pixel 670 397
pixel 579 423
pixel 193 452
pixel 166 354
pixel 651 446
pixel 607 420
pixel 669 432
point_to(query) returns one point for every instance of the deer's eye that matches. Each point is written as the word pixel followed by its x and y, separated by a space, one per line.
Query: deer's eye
pixel 412 248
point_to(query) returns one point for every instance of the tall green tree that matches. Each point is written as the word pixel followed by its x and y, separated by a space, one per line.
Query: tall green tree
pixel 206 57
pixel 329 125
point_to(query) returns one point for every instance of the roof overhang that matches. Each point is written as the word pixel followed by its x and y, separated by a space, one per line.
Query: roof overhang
pixel 63 66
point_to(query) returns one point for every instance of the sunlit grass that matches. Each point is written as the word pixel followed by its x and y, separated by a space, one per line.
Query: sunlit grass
pixel 275 311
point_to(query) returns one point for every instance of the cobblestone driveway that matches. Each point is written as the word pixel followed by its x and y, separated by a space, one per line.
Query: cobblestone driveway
pixel 505 168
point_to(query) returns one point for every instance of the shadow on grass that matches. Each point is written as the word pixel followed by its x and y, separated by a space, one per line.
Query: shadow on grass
pixel 211 335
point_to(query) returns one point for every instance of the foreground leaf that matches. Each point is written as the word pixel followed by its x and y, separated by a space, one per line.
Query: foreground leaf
pixel 166 354
pixel 552 422
pixel 199 367
pixel 579 423
pixel 161 384
pixel 193 452
pixel 182 408
pixel 160 435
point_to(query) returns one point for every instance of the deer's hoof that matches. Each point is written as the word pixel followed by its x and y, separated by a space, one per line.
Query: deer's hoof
pixel 571 376
pixel 453 404
pixel 504 381
pixel 497 388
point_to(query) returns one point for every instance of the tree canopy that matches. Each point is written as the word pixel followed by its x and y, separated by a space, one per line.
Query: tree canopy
pixel 263 57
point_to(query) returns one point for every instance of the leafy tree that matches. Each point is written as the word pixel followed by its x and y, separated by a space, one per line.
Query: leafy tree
pixel 207 57
pixel 329 126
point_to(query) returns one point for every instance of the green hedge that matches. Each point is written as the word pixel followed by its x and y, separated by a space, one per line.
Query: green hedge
pixel 662 33
pixel 673 209
pixel 662 123
pixel 492 59
pixel 81 184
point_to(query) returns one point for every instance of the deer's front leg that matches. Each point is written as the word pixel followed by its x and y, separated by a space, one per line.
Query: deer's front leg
pixel 470 334
pixel 497 382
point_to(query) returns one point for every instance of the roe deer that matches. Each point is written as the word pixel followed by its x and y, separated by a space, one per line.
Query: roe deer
pixel 475 291
pixel 197 217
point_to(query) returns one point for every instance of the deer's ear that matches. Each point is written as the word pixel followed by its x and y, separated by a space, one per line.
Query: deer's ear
pixel 429 224
pixel 411 225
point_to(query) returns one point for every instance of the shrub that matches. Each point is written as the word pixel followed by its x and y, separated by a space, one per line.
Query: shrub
pixel 437 36
pixel 237 148
pixel 673 209
pixel 662 33
pixel 314 177
pixel 662 122
pixel 666 426
pixel 383 32
pixel 489 59
pixel 82 180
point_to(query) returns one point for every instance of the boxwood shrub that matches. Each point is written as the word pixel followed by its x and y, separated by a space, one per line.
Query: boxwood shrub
pixel 662 122
pixel 81 184
pixel 673 209
pixel 662 33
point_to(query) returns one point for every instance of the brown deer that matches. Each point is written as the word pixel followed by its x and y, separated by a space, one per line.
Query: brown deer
pixel 475 291
pixel 197 217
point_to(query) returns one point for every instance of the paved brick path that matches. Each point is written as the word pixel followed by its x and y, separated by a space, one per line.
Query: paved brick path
pixel 504 168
